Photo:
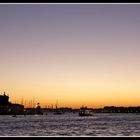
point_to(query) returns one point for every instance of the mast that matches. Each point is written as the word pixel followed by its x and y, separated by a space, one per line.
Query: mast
pixel 22 100
pixel 33 102
pixel 56 105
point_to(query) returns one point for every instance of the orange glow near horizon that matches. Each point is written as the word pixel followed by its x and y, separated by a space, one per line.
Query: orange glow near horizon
pixel 74 90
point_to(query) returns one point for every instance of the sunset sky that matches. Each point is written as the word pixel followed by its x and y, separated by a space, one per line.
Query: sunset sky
pixel 71 53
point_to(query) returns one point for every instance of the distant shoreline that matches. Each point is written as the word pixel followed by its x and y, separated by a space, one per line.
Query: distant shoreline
pixel 106 109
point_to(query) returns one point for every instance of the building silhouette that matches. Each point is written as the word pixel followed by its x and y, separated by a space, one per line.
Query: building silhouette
pixel 4 100
pixel 7 108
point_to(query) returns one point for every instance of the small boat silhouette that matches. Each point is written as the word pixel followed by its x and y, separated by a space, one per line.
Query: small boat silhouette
pixel 14 115
pixel 84 111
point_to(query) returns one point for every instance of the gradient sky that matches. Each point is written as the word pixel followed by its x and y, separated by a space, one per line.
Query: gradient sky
pixel 74 53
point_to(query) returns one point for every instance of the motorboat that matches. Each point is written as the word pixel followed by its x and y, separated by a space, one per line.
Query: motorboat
pixel 14 115
pixel 84 111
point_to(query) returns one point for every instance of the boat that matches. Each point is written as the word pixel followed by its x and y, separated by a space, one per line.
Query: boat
pixel 57 111
pixel 84 111
pixel 38 110
pixel 14 115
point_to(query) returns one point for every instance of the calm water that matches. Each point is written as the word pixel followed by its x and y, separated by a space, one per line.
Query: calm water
pixel 70 124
